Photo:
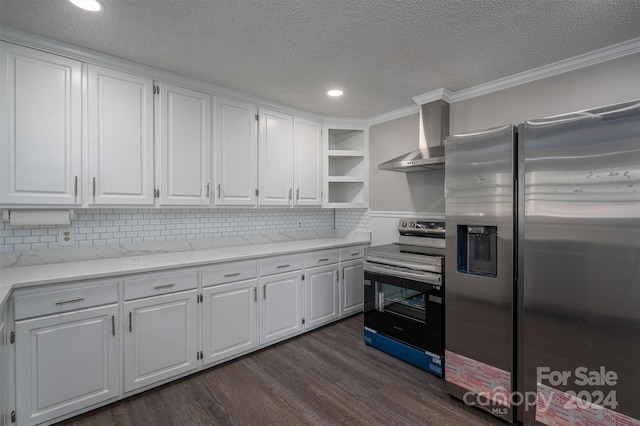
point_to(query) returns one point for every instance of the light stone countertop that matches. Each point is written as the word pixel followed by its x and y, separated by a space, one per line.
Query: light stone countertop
pixel 77 264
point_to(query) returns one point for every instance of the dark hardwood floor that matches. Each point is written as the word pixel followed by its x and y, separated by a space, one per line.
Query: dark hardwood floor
pixel 324 377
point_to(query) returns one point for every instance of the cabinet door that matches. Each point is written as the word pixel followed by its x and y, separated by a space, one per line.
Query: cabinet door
pixel 322 296
pixel 41 127
pixel 307 167
pixel 120 125
pixel 236 153
pixel 183 154
pixel 159 338
pixel 280 306
pixel 66 362
pixel 229 320
pixel 275 167
pixel 352 287
pixel 4 372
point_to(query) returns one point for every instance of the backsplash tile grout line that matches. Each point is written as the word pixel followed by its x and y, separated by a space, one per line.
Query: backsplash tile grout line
pixel 100 227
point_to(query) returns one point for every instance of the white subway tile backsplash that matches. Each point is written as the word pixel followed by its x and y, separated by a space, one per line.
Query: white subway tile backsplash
pixel 97 227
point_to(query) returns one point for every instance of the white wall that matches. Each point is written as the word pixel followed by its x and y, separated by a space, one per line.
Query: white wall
pixel 394 191
pixel 602 84
pixel 394 195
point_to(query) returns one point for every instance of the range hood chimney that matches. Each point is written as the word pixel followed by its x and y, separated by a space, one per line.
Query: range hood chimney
pixel 434 127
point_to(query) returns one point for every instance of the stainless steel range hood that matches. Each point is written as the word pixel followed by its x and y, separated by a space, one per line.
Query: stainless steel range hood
pixel 434 127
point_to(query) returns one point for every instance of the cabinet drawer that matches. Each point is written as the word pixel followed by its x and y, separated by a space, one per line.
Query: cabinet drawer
pixel 319 258
pixel 349 253
pixel 56 299
pixel 228 273
pixel 276 265
pixel 160 283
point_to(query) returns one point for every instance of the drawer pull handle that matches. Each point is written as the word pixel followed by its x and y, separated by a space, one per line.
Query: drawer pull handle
pixel 355 254
pixel 160 287
pixel 323 260
pixel 234 274
pixel 77 299
pixel 283 266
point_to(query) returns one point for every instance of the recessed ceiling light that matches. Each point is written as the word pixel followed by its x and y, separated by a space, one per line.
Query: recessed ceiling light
pixel 335 92
pixel 90 5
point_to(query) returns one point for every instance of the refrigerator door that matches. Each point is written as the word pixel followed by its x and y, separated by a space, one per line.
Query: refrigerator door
pixel 581 266
pixel 479 280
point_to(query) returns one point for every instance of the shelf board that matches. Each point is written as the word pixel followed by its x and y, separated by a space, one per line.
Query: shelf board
pixel 345 153
pixel 345 179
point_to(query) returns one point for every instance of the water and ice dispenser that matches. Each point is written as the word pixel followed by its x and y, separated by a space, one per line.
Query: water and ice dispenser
pixel 477 250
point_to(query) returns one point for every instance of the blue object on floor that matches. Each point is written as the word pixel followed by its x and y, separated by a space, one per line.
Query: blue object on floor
pixel 425 360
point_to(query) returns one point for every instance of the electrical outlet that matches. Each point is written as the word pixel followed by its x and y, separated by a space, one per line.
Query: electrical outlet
pixel 66 237
pixel 299 224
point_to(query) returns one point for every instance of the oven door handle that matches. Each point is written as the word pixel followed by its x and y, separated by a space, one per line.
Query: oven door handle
pixel 426 277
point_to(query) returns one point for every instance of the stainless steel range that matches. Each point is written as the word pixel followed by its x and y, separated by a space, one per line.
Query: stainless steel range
pixel 404 313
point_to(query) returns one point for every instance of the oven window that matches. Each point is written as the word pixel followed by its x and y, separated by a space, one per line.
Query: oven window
pixel 403 302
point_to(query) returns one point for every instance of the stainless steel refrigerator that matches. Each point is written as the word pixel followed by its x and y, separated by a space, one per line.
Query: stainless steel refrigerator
pixel 542 301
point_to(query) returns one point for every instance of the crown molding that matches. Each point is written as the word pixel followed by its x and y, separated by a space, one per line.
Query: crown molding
pixel 434 95
pixel 393 115
pixel 357 121
pixel 605 54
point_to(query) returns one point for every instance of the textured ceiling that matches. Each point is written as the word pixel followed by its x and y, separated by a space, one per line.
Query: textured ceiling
pixel 381 52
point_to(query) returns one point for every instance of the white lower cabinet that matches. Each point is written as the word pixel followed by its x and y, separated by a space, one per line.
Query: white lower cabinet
pixel 351 287
pixel 281 301
pixel 159 338
pixel 4 368
pixel 69 338
pixel 229 320
pixel 321 295
pixel 65 362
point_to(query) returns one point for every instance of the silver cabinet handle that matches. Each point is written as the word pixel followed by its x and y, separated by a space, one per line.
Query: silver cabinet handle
pixel 338 276
pixel 255 294
pixel 207 192
pixel 113 325
pixel 75 189
pixel 130 325
pixel 355 254
pixel 160 287
pixel 94 189
pixel 290 193
pixel 323 260
pixel 282 266
pixel 234 274
pixel 219 190
pixel 264 292
pixel 76 299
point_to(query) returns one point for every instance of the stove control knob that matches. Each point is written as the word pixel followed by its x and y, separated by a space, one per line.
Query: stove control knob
pixel 403 224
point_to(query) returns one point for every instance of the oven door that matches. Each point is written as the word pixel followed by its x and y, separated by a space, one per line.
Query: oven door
pixel 405 310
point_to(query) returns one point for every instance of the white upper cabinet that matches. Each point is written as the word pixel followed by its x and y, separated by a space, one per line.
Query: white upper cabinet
pixel 307 167
pixel 183 146
pixel 236 155
pixel 120 125
pixel 275 153
pixel 78 134
pixel 40 127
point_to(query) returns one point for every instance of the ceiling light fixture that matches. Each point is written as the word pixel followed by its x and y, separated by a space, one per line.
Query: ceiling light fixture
pixel 335 92
pixel 90 5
